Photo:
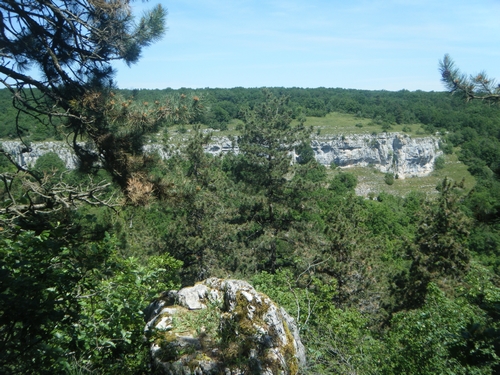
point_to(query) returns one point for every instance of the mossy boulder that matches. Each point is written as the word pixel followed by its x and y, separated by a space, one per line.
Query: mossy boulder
pixel 222 326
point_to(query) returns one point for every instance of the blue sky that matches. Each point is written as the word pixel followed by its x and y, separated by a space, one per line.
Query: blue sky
pixel 379 44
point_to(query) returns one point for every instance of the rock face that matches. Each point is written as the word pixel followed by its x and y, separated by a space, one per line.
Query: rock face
pixel 222 327
pixel 388 152
pixel 27 157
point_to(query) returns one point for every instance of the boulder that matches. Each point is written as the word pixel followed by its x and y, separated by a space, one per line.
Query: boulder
pixel 222 326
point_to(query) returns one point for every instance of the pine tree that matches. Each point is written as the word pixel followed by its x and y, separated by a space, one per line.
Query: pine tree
pixel 478 86
pixel 439 250
pixel 266 166
pixel 69 47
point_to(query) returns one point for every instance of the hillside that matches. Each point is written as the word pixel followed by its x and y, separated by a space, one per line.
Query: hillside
pixel 130 244
pixel 396 282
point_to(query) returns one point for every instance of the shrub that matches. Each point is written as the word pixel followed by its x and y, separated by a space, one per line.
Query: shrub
pixel 446 147
pixel 389 178
pixel 439 162
pixel 49 162
pixel 386 127
pixel 343 182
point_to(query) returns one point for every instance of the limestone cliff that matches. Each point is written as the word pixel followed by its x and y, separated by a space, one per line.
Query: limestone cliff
pixel 388 152
pixel 27 156
pixel 222 327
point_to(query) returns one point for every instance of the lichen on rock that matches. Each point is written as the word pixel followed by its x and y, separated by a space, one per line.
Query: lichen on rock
pixel 222 326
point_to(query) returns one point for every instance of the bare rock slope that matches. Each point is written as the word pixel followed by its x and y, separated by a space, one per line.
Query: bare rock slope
pixel 388 152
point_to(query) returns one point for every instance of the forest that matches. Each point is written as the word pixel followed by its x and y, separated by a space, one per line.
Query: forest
pixel 382 285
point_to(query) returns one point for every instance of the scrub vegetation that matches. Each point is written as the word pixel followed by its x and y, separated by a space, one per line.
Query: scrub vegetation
pixel 405 281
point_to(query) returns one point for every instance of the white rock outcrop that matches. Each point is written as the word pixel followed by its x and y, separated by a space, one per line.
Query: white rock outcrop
pixel 388 152
pixel 222 326
pixel 27 156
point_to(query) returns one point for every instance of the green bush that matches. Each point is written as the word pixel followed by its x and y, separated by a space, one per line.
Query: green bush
pixel 343 182
pixel 430 340
pixel 111 325
pixel 446 147
pixel 386 127
pixel 49 162
pixel 439 162
pixel 389 178
pixel 75 309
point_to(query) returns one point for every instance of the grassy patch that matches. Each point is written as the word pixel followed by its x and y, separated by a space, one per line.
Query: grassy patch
pixel 341 123
pixel 332 124
pixel 370 180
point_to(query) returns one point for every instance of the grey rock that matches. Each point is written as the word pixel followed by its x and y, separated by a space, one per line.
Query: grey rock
pixel 388 152
pixel 27 156
pixel 222 326
pixel 193 297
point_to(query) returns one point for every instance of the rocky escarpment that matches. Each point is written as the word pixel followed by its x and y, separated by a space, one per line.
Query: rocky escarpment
pixel 388 152
pixel 27 156
pixel 222 327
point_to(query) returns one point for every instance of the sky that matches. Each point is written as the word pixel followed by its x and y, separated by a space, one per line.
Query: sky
pixel 372 45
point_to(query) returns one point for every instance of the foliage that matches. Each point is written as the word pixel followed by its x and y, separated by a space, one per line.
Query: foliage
pixel 447 147
pixel 50 164
pixel 337 340
pixel 343 182
pixel 439 249
pixel 439 163
pixel 72 45
pixel 74 307
pixel 39 298
pixel 478 86
pixel 423 341
pixel 389 178
pixel 265 167
pixel 110 329
pixel 311 171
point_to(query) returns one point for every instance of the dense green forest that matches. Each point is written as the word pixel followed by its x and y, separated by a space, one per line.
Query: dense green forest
pixel 387 285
